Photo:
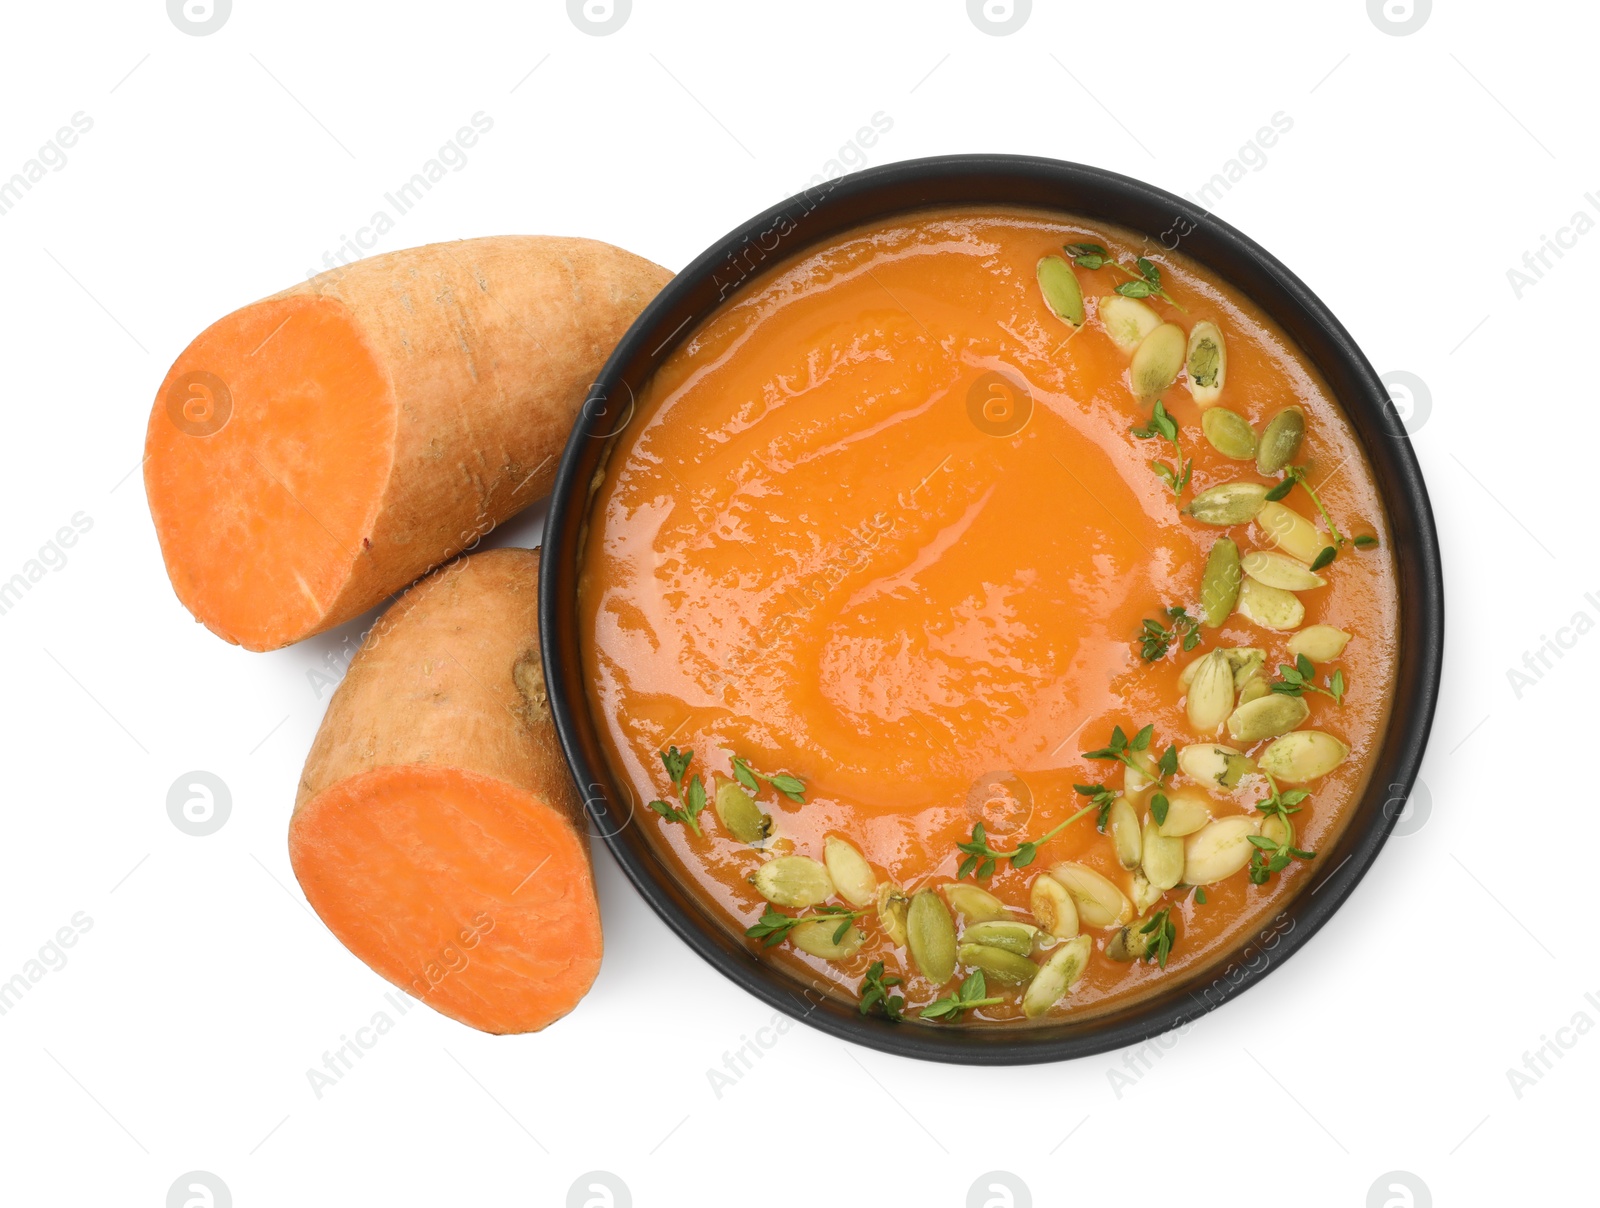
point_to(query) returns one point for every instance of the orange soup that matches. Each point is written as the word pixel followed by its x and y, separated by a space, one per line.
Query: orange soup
pixel 994 602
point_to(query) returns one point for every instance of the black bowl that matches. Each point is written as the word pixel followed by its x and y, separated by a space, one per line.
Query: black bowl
pixel 835 207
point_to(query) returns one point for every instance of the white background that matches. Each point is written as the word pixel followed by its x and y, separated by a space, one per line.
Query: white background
pixel 220 168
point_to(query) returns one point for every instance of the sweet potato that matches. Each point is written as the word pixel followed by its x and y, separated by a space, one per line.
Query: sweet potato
pixel 436 831
pixel 316 451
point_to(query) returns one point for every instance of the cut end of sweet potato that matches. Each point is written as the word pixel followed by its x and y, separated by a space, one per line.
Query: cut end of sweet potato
pixel 468 893
pixel 267 453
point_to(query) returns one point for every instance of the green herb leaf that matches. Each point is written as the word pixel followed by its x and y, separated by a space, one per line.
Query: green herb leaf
pixel 743 774
pixel 677 763
pixel 1279 491
pixel 875 994
pixel 1162 935
pixel 1366 541
pixel 1328 554
pixel 970 995
pixel 1158 808
pixel 1135 289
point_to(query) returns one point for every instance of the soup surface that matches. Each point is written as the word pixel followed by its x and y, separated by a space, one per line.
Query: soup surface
pixel 898 539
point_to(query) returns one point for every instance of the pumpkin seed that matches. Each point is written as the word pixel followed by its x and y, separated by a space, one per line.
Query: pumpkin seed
pixel 740 816
pixel 1319 643
pixel 1157 361
pixel 1208 367
pixel 1010 935
pixel 1124 826
pixel 1266 717
pixel 1278 828
pixel 1187 811
pixel 1053 907
pixel 793 881
pixel 1056 976
pixel 1229 433
pixel 892 906
pixel 1163 858
pixel 1290 531
pixel 1129 943
pixel 1210 696
pixel 852 875
pixel 1280 571
pixel 931 937
pixel 1254 690
pixel 1127 320
pixel 997 963
pixel 1211 763
pixel 1059 285
pixel 973 904
pixel 1303 755
pixel 816 937
pixel 1270 607
pixel 1136 779
pixel 1100 903
pixel 1143 893
pixel 1219 582
pixel 1245 661
pixel 1280 440
pixel 1218 850
pixel 1228 503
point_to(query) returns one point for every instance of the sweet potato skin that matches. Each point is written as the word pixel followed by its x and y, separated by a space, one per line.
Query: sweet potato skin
pixel 489 347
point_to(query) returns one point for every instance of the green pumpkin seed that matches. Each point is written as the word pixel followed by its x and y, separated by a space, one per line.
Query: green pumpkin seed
pixel 1270 607
pixel 1245 661
pixel 1163 858
pixel 1229 433
pixel 1129 943
pixel 1143 893
pixel 892 908
pixel 1123 824
pixel 1187 811
pixel 1280 440
pixel 816 937
pixel 1100 903
pixel 1056 976
pixel 1210 695
pixel 1217 851
pixel 931 937
pixel 852 875
pixel 1319 643
pixel 973 904
pixel 1219 582
pixel 1290 531
pixel 793 881
pixel 1053 907
pixel 1157 360
pixel 997 963
pixel 1211 763
pixel 1280 571
pixel 1208 369
pixel 1228 503
pixel 1254 690
pixel 1009 934
pixel 1302 756
pixel 1127 320
pixel 740 815
pixel 1059 285
pixel 1266 717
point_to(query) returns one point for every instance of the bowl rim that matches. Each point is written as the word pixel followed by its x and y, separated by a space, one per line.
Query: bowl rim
pixel 815 215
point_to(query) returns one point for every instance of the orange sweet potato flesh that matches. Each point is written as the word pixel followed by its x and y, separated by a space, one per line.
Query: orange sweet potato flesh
pixel 313 453
pixel 436 830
